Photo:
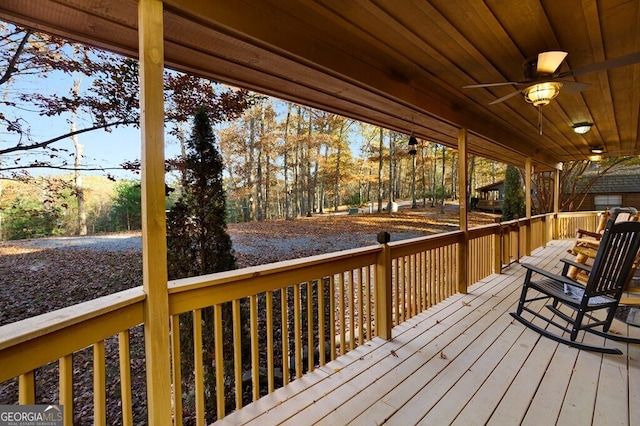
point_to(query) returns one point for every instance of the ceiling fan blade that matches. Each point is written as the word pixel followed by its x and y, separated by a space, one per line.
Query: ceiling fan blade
pixel 548 62
pixel 621 61
pixel 504 98
pixel 475 86
pixel 573 86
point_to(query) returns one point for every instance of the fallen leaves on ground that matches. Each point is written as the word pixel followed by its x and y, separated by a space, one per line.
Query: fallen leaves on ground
pixel 36 281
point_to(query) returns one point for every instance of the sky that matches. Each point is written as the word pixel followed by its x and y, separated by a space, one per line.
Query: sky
pixel 101 148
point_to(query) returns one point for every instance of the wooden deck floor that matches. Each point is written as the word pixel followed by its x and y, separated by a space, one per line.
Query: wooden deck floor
pixel 465 362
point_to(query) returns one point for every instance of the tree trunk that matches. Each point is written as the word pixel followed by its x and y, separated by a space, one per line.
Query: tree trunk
pixel 251 153
pixel 79 189
pixel 434 188
pixel 336 194
pixel 299 164
pixel 312 177
pixel 287 195
pixel 259 200
pixel 470 184
pixel 443 173
pixel 424 177
pixel 381 146
pixel 391 175
pixel 454 177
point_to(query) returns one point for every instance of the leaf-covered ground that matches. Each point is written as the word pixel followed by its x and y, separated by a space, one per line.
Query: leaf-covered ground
pixel 37 278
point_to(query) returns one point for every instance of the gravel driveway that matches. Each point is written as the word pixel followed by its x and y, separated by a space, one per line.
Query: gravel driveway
pixel 114 242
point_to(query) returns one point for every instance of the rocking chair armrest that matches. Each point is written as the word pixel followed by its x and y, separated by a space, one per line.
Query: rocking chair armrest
pixel 569 262
pixel 560 278
pixel 584 242
pixel 583 232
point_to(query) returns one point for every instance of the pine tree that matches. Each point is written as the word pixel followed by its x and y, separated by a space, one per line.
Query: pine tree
pixel 514 202
pixel 198 244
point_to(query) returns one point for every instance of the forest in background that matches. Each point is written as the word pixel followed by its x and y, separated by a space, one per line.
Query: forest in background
pixel 281 160
pixel 326 176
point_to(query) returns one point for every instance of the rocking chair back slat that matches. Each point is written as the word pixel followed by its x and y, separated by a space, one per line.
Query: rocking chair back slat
pixel 614 260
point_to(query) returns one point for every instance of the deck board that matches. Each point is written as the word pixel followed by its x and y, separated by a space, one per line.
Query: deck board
pixel 464 361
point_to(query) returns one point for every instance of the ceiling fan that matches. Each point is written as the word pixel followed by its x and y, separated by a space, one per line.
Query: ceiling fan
pixel 543 81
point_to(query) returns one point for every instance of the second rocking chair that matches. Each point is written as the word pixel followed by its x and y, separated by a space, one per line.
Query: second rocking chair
pixel 606 280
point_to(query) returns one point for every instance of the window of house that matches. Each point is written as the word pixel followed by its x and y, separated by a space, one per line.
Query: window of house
pixel 607 201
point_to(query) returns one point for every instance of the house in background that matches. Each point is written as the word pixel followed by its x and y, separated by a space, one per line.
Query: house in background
pixel 617 188
pixel 491 198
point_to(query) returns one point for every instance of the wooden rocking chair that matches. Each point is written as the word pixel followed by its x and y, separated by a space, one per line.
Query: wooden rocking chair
pixel 607 277
pixel 587 243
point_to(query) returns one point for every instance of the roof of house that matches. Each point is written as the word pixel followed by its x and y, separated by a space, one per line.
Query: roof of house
pixel 623 179
pixel 492 187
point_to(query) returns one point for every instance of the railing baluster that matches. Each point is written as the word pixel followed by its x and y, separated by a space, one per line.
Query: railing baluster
pixel 310 339
pixel 99 385
pixel 125 377
pixel 255 347
pixel 359 283
pixel 321 323
pixel 27 388
pixel 402 289
pixel 423 281
pixel 297 328
pixel 65 373
pixel 270 348
pixel 285 335
pixel 218 347
pixel 198 366
pixel 437 266
pixel 367 296
pixel 343 325
pixel 415 294
pixel 452 266
pixel 352 311
pixel 444 271
pixel 396 291
pixel 432 278
pixel 417 283
pixel 177 371
pixel 332 317
pixel 237 351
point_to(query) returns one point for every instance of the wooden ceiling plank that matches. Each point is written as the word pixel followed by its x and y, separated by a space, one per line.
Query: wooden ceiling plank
pixel 75 24
pixel 435 20
pixel 622 24
pixel 610 131
pixel 391 64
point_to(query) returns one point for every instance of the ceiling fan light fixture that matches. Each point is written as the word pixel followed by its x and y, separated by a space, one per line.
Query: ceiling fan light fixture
pixel 582 128
pixel 541 94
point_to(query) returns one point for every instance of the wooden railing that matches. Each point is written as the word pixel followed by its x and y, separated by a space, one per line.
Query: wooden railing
pixel 37 348
pixel 239 335
pixel 299 314
pixel 424 272
pixel 567 223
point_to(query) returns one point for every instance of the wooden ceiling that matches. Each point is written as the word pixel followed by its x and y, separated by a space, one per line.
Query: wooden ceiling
pixel 399 64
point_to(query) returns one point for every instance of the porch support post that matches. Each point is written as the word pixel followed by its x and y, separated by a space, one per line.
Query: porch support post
pixel 154 245
pixel 527 192
pixel 556 202
pixel 383 293
pixel 463 248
